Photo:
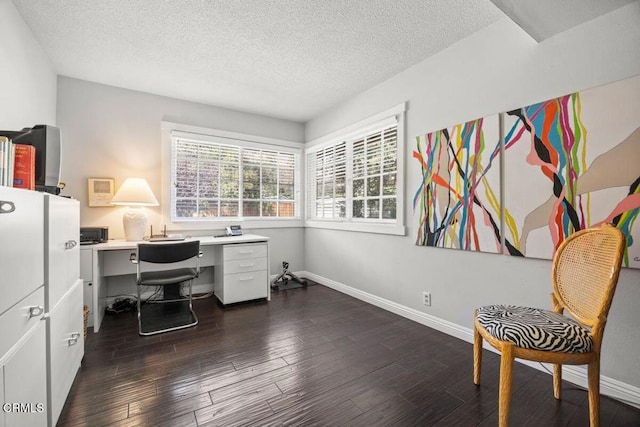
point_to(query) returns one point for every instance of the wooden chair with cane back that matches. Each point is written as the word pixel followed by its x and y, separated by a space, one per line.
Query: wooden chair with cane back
pixel 584 277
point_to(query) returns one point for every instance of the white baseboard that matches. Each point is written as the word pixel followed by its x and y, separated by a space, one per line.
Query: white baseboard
pixel 575 374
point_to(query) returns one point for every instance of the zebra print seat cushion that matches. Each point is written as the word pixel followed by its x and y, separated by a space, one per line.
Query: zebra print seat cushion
pixel 534 328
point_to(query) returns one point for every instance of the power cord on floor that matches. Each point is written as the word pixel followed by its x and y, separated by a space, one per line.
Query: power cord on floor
pixel 153 296
pixel 202 296
pixel 132 296
pixel 121 305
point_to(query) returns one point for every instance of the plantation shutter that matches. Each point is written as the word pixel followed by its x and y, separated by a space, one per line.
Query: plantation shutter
pixel 214 180
pixel 355 178
pixel 326 182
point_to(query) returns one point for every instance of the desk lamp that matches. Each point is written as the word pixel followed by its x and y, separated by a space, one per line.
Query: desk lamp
pixel 134 193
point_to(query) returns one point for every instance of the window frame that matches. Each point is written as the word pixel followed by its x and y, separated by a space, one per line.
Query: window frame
pixel 351 134
pixel 171 131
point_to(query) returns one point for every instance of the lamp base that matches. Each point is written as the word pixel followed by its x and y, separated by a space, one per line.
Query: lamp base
pixel 134 222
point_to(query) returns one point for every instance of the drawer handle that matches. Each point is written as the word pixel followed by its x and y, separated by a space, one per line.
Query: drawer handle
pixel 36 311
pixel 247 265
pixel 73 339
pixel 6 206
pixel 246 280
pixel 70 244
pixel 246 252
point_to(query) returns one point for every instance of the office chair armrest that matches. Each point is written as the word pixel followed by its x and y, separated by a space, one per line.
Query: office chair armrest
pixel 133 258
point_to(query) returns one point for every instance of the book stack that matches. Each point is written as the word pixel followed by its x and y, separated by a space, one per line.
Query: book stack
pixel 7 155
pixel 24 169
pixel 17 164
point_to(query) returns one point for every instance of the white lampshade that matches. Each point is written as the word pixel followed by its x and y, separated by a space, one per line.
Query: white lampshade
pixel 134 192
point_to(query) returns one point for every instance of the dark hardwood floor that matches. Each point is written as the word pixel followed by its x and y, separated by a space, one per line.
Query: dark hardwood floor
pixel 311 356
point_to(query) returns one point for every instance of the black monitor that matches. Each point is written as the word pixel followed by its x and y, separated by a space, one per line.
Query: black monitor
pixel 46 139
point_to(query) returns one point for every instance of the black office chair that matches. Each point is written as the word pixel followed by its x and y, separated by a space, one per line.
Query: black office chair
pixel 168 308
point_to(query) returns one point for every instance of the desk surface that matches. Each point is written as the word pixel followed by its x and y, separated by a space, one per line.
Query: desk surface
pixel 204 241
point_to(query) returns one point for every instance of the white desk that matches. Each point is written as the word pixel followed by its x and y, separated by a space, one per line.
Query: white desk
pixel 112 259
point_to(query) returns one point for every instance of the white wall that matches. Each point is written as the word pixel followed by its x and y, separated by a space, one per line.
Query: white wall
pixel 109 132
pixel 495 70
pixel 27 78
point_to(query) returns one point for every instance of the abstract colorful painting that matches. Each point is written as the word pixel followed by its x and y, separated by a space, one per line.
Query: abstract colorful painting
pixel 570 163
pixel 458 199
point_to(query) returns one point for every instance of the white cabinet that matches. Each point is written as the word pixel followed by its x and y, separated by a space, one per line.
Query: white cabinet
pixel 2 422
pixel 66 348
pixel 21 244
pixel 40 307
pixel 62 238
pixel 22 330
pixel 24 372
pixel 19 319
pixel 241 272
pixel 2 400
pixel 23 362
pixel 63 299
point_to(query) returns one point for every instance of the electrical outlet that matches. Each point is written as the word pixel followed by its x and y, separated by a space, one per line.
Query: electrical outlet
pixel 426 298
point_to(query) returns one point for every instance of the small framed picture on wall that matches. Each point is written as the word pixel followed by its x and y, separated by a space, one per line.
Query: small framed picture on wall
pixel 101 191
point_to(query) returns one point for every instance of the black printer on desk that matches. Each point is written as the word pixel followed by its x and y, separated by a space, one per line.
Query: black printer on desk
pixel 93 235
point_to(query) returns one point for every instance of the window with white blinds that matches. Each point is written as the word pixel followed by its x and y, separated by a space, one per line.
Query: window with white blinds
pixel 375 168
pixel 329 169
pixel 212 180
pixel 353 178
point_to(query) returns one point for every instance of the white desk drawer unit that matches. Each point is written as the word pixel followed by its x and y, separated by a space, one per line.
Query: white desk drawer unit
pixel 244 286
pixel 245 251
pixel 244 265
pixel 241 272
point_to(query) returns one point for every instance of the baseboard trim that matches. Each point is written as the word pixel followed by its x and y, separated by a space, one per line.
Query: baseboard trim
pixel 575 374
pixel 401 310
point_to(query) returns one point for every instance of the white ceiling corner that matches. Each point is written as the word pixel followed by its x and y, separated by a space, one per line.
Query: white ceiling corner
pixel 543 19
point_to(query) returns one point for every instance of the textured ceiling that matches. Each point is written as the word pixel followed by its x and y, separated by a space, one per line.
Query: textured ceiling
pixel 290 59
pixel 283 58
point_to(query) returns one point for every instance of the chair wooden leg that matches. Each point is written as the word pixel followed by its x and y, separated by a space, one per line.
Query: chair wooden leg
pixel 477 355
pixel 557 381
pixel 506 380
pixel 594 392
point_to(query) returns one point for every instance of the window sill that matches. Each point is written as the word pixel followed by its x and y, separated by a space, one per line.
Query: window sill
pixel 393 229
